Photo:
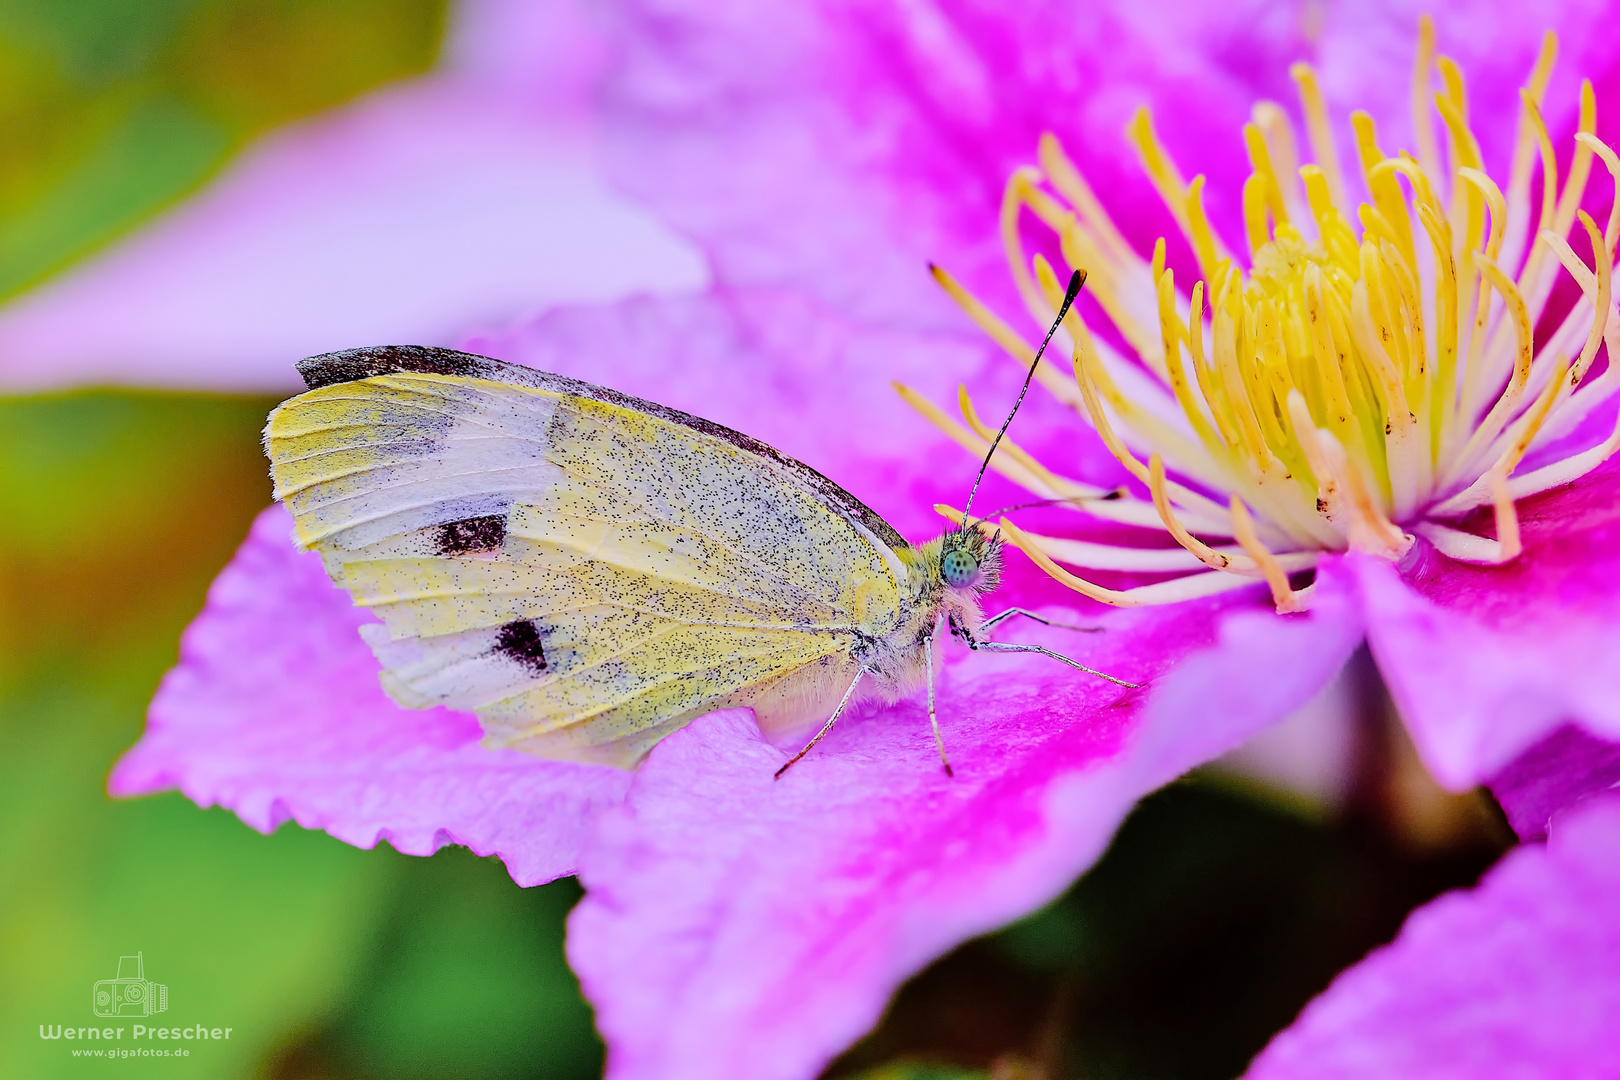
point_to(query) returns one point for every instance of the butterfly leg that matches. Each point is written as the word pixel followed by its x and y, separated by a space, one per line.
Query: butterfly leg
pixel 1010 612
pixel 933 717
pixel 824 727
pixel 1007 646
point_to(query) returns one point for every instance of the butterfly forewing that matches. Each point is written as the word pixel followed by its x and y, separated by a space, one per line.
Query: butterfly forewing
pixel 585 571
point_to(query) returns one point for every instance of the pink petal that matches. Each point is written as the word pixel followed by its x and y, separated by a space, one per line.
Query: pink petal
pixel 740 926
pixel 1519 977
pixel 1564 768
pixel 844 144
pixel 858 141
pixel 275 711
pixel 410 216
pixel 1487 661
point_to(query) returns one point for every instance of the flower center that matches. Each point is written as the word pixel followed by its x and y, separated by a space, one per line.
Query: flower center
pixel 1372 374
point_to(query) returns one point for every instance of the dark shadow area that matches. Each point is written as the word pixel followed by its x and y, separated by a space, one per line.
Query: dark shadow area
pixel 1212 919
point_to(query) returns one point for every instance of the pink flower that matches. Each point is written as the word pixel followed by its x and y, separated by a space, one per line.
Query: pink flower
pixel 822 154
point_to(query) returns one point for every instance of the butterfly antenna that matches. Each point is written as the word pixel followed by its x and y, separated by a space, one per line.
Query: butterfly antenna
pixel 1077 279
pixel 1107 496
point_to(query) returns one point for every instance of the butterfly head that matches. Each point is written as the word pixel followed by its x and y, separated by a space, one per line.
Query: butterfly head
pixel 970 559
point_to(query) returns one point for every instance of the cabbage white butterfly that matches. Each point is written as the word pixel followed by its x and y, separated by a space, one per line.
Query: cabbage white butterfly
pixel 587 572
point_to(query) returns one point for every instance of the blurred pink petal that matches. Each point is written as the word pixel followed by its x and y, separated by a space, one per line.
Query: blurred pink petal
pixel 413 215
pixel 1515 978
pixel 275 711
pixel 740 926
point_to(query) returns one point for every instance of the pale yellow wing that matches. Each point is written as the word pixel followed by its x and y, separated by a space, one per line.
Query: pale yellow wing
pixel 583 570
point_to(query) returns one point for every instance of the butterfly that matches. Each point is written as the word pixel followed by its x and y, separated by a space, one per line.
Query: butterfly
pixel 588 572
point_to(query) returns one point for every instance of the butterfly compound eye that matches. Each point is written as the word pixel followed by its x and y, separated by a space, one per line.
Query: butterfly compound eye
pixel 959 568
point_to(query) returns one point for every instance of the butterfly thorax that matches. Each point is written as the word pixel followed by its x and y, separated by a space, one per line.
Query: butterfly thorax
pixel 944 579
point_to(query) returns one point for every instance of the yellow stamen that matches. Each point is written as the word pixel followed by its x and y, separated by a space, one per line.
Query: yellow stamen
pixel 1320 132
pixel 1351 386
pixel 1255 198
pixel 1163 172
pixel 1368 528
pixel 1529 277
pixel 1525 138
pixel 1597 287
pixel 1209 583
pixel 1161 502
pixel 1282 150
pixel 1507 517
pixel 1386 193
pixel 1282 594
pixel 1002 462
pixel 1566 471
pixel 1329 363
pixel 1233 391
pixel 1211 390
pixel 1021 185
pixel 1498 206
pixel 1017 453
pixel 1464 149
pixel 1260 161
pixel 1532 422
pixel 1428 151
pixel 1011 342
pixel 1199 234
pixel 1456 91
pixel 1072 186
pixel 1611 232
pixel 1580 167
pixel 1173 334
pixel 1523 354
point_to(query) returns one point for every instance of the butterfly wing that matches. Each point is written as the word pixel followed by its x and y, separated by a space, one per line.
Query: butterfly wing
pixel 585 571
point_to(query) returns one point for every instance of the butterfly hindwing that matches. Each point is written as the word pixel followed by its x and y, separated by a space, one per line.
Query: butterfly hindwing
pixel 585 571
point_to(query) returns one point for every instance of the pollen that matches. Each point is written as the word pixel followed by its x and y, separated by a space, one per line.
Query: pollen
pixel 1352 378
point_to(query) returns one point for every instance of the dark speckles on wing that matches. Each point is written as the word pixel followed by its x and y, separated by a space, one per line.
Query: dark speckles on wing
pixel 520 640
pixel 471 535
pixel 354 364
pixel 351 365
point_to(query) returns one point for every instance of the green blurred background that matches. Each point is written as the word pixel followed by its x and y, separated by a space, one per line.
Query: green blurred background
pixel 116 510
pixel 1217 913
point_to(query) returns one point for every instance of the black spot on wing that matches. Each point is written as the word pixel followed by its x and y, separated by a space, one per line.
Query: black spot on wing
pixel 520 640
pixel 469 535
pixel 351 365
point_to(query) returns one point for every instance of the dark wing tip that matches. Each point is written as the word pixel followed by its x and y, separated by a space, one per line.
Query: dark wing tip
pixel 349 365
